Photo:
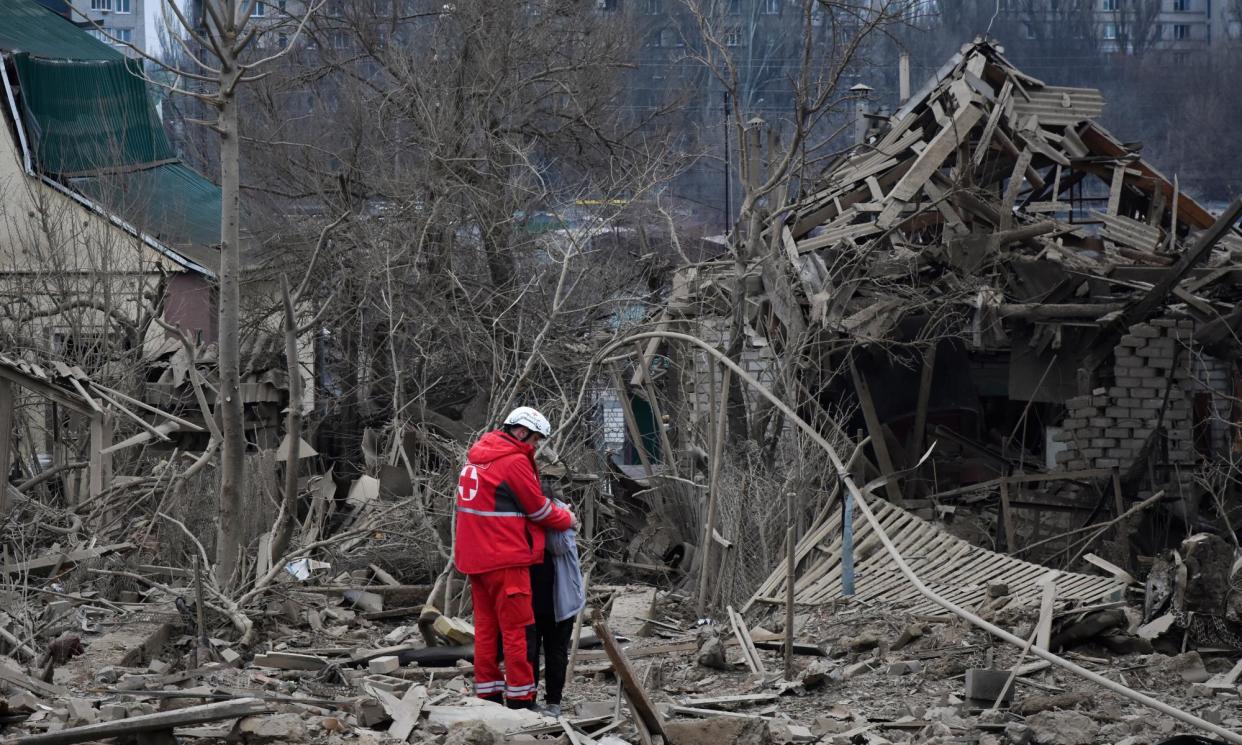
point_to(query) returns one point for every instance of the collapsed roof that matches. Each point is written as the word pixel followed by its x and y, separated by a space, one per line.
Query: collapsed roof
pixel 990 196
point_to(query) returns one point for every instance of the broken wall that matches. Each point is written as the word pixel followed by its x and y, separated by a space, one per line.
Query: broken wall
pixel 1150 391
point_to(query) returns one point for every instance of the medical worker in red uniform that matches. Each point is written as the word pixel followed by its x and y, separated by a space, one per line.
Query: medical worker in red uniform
pixel 501 517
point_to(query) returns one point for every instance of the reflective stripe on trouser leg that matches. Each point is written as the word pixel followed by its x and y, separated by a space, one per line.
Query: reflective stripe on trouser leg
pixel 514 613
pixel 488 681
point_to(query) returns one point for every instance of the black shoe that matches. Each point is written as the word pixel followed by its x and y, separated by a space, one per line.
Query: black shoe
pixel 523 703
pixel 497 698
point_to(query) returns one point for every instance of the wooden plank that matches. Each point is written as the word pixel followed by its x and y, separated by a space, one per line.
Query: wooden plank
pixel 1011 536
pixel 10 674
pixel 1113 570
pixel 51 561
pixel 742 635
pixel 1047 603
pixel 1011 189
pixel 933 156
pixel 640 702
pixel 405 717
pixel 161 721
pixel 876 431
pixel 919 431
pixel 989 129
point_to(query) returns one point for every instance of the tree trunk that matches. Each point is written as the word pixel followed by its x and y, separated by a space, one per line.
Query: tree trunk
pixel 232 458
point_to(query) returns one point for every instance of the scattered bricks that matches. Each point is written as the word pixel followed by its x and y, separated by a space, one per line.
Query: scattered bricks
pixel 1156 324
pixel 230 657
pixel 159 667
pixel 1098 391
pixel 998 589
pixel 1103 442
pixel 984 686
pixel 384 665
pixel 112 712
pixel 1131 340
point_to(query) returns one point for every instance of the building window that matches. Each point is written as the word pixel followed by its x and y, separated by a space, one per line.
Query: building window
pixel 121 6
pixel 122 35
pixel 735 7
pixel 1112 5
pixel 1181 31
pixel 733 38
pixel 101 4
pixel 98 35
pixel 1181 6
pixel 669 38
pixel 1028 30
pixel 609 5
pixel 770 7
pixel 1109 32
pixel 651 7
pixel 259 10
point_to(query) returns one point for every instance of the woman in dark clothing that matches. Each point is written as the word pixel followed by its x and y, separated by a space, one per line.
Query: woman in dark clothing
pixel 557 596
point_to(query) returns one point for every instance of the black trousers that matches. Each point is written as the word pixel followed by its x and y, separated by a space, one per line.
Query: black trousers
pixel 552 638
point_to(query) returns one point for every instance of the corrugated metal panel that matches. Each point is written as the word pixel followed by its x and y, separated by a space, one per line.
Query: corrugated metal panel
pixel 1058 106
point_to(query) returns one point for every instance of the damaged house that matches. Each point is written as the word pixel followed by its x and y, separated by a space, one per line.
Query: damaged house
pixel 108 247
pixel 993 272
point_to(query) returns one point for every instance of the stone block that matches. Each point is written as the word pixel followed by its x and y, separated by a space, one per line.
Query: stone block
pixel 1102 442
pixel 1107 462
pixel 1130 381
pixel 1100 421
pixel 1121 453
pixel 1117 432
pixel 983 686
pixel 384 665
pixel 1090 453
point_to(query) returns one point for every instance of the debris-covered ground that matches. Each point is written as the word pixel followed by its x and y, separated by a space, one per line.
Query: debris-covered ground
pixel 328 671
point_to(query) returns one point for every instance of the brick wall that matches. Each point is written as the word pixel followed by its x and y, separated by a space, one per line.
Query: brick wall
pixel 1108 427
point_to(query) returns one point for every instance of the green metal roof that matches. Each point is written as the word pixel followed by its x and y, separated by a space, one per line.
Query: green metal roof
pixel 82 117
pixel 27 26
pixel 171 203
pixel 91 122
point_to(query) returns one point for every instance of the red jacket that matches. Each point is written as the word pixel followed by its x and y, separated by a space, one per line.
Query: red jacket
pixel 501 509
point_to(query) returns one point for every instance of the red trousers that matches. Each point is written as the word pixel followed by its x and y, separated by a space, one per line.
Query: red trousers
pixel 502 610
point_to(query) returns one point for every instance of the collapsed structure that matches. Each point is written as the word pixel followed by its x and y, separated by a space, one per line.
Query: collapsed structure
pixel 1027 291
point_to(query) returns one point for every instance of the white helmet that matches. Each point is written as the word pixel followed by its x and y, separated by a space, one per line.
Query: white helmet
pixel 527 417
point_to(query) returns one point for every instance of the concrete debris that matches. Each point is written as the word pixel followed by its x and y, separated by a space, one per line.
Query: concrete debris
pixel 1062 728
pixel 276 728
pixel 471 733
pixel 711 652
